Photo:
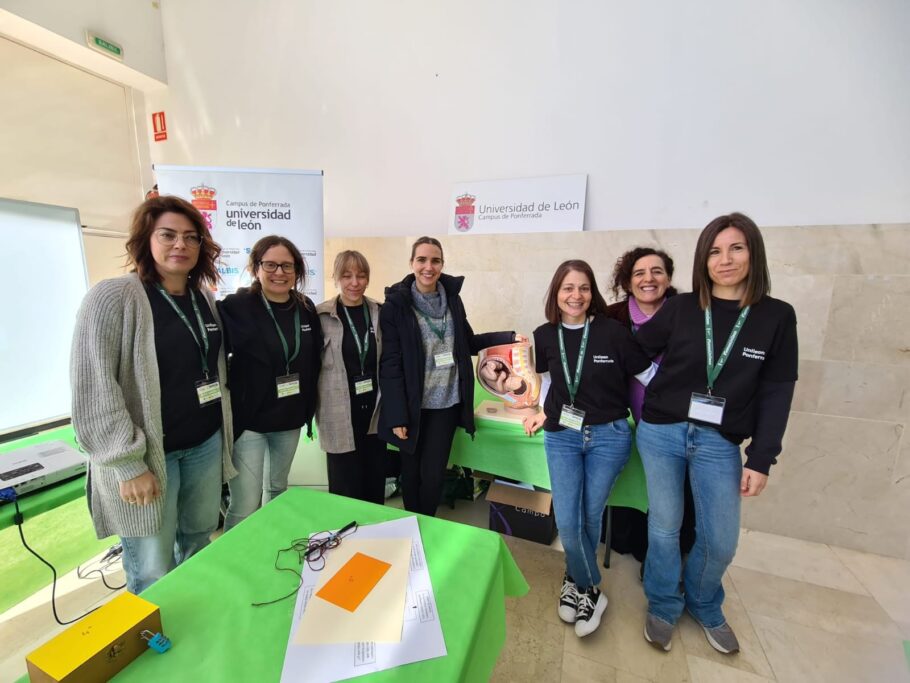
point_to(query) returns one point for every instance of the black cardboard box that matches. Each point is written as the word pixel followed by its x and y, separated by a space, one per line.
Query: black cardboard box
pixel 519 511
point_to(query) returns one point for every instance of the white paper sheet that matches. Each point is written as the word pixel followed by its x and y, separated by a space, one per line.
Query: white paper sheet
pixel 421 636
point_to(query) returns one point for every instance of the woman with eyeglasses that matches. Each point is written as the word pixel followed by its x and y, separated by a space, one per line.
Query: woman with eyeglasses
pixel 274 339
pixel 150 405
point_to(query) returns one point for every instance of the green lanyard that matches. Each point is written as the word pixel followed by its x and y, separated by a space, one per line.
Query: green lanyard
pixel 573 386
pixel 284 344
pixel 439 331
pixel 204 346
pixel 364 347
pixel 715 368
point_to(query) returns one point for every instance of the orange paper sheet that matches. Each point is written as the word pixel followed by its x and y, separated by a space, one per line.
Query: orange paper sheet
pixel 354 581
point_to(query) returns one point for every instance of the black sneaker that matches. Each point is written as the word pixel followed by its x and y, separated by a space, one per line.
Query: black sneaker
pixel 568 600
pixel 592 603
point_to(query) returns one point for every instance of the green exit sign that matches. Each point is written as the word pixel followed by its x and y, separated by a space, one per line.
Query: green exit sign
pixel 104 46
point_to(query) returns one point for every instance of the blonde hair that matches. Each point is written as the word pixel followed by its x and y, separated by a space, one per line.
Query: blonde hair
pixel 349 260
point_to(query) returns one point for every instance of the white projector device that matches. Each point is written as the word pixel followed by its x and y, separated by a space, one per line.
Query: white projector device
pixel 36 467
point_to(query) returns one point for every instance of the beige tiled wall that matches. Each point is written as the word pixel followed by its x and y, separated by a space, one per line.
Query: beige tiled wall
pixel 844 475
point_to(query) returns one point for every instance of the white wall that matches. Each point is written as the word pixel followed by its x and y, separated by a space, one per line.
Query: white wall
pixel 795 112
pixel 58 27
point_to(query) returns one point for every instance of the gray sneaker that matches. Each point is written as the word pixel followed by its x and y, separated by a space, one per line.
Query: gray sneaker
pixel 722 638
pixel 658 632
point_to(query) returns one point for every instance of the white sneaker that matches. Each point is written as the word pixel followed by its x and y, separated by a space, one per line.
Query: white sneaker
pixel 568 600
pixel 592 603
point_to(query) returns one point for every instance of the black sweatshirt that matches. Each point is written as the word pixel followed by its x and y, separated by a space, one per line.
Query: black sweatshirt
pixel 257 360
pixel 185 423
pixel 757 381
pixel 364 403
pixel 611 357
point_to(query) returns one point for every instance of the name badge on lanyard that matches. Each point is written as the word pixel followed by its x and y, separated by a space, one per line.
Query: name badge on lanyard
pixel 708 407
pixel 287 384
pixel 444 360
pixel 207 389
pixel 570 416
pixel 363 384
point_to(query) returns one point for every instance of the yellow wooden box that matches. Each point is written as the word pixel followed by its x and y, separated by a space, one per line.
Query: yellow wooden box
pixel 98 646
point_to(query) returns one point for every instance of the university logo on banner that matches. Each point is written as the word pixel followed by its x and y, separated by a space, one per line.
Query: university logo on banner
pixel 464 212
pixel 204 200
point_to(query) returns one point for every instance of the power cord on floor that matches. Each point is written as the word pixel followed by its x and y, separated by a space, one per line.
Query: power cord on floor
pixel 9 494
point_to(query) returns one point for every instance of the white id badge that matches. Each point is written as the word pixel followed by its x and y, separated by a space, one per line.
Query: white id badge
pixel 288 385
pixel 363 384
pixel 444 360
pixel 706 408
pixel 571 418
pixel 209 391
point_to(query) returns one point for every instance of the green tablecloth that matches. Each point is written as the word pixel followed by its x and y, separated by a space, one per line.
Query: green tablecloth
pixel 504 449
pixel 33 504
pixel 218 636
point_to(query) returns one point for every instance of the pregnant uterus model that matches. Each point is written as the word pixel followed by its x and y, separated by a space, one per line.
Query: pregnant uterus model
pixel 507 371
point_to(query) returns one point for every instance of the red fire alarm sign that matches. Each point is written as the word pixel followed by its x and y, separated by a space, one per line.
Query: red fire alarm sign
pixel 159 126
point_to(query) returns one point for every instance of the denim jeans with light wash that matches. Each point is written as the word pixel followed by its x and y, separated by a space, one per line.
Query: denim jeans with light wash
pixel 583 468
pixel 254 486
pixel 192 502
pixel 715 471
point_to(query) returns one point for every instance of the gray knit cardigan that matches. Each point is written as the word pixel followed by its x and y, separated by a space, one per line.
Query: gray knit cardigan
pixel 333 408
pixel 117 403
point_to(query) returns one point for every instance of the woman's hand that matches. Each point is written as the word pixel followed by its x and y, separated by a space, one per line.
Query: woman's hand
pixel 534 422
pixel 520 339
pixel 400 432
pixel 141 490
pixel 752 483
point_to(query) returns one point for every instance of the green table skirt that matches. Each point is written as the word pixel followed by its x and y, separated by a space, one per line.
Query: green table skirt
pixel 218 636
pixel 503 449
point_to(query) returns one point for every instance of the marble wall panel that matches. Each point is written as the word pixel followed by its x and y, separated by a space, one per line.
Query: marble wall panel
pixel 852 389
pixel 835 483
pixel 870 319
pixel 839 249
pixel 810 296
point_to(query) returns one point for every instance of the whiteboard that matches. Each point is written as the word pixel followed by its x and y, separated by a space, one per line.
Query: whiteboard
pixel 43 278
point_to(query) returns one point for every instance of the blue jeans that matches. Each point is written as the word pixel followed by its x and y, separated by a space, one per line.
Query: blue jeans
pixel 192 501
pixel 715 470
pixel 583 468
pixel 250 488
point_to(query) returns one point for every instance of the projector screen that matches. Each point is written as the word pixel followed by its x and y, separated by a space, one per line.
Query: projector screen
pixel 43 278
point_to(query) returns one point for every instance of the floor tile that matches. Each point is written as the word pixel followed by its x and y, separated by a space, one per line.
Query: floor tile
pixel 705 671
pixel 886 578
pixel 620 642
pixel 543 570
pixel 813 606
pixel 805 561
pixel 577 669
pixel 801 654
pixel 751 657
pixel 533 651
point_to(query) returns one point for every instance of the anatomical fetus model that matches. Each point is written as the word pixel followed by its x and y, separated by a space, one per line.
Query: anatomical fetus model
pixel 507 371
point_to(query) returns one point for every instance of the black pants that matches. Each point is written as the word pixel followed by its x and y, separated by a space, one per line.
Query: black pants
pixel 360 473
pixel 423 472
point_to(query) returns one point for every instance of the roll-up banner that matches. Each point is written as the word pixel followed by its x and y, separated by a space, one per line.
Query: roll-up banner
pixel 242 205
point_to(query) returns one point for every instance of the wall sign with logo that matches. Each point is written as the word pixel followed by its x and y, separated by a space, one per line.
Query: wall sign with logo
pixel 546 204
pixel 242 205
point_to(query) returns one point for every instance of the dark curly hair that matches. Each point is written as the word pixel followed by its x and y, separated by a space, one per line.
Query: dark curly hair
pixel 139 249
pixel 622 271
